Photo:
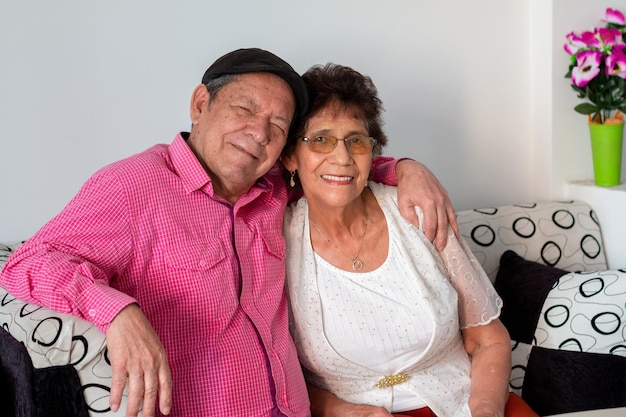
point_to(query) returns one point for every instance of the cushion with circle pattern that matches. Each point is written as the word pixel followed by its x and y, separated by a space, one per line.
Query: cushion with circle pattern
pixel 573 325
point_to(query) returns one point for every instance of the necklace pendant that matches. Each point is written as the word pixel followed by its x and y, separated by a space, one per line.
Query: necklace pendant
pixel 357 264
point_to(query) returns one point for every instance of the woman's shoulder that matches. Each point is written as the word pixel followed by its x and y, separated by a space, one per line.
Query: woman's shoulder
pixel 295 215
pixel 383 191
pixel 296 207
pixel 387 196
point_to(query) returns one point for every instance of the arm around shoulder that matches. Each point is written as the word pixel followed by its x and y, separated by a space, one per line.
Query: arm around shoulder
pixel 418 186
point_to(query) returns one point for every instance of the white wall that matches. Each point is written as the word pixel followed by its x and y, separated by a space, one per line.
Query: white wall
pixel 85 82
pixel 473 89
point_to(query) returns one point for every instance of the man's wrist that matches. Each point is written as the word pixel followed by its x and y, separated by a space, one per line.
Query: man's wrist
pixel 398 162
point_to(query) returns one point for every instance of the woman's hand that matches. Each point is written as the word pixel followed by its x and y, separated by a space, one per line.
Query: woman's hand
pixel 325 404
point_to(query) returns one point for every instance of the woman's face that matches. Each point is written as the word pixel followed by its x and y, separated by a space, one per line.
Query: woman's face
pixel 337 178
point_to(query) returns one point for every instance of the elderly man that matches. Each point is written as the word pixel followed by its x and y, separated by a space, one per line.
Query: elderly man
pixel 176 253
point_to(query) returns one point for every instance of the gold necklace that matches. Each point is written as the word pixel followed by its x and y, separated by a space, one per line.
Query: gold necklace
pixel 357 264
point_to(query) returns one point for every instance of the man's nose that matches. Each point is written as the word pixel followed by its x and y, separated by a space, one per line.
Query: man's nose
pixel 259 129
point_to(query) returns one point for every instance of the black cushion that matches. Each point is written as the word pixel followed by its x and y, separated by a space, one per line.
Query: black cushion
pixel 17 377
pixel 562 381
pixel 523 286
pixel 28 392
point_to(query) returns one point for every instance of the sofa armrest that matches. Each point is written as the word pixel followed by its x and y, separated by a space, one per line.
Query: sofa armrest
pixel 55 339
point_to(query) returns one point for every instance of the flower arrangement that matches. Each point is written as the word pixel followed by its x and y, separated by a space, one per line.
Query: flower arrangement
pixel 598 68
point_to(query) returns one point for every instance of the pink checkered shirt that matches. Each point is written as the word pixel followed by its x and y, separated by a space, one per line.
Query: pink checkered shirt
pixel 208 275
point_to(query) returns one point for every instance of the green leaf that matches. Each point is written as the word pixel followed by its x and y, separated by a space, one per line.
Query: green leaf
pixel 586 108
pixel 580 91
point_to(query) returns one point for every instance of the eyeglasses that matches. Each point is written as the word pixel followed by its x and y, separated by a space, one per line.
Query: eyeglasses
pixel 357 144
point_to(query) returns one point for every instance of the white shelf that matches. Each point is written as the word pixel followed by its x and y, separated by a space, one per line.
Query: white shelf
pixel 591 183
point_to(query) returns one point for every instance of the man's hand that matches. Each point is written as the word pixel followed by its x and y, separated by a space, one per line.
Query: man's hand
pixel 417 186
pixel 137 355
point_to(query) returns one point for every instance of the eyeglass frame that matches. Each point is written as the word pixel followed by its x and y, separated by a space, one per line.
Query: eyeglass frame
pixel 307 140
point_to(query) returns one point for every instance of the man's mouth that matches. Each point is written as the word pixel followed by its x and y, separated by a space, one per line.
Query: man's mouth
pixel 244 150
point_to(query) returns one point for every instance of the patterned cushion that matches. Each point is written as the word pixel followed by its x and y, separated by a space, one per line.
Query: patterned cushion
pixel 561 234
pixel 581 345
pixel 571 330
pixel 585 312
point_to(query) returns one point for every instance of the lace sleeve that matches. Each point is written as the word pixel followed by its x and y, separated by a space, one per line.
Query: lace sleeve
pixel 479 302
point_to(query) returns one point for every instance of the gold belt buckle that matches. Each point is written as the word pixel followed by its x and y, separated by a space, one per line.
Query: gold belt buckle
pixel 391 380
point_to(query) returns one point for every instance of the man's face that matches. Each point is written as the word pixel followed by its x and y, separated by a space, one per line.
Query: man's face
pixel 240 135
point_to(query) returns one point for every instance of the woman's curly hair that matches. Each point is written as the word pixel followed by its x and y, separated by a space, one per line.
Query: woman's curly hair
pixel 345 89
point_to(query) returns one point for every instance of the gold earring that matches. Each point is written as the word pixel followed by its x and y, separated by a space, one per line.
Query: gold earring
pixel 292 182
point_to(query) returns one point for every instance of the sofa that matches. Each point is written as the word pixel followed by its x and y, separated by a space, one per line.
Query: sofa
pixel 565 312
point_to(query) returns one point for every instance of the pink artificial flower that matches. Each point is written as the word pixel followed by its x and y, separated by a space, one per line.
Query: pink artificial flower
pixel 591 39
pixel 616 64
pixel 615 16
pixel 610 38
pixel 587 67
pixel 574 43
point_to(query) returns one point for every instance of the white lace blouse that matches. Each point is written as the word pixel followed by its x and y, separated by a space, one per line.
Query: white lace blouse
pixel 383 322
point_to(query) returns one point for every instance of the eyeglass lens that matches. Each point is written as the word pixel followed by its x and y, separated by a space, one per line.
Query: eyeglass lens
pixel 326 144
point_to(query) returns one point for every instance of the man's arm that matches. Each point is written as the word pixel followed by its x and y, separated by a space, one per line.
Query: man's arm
pixel 68 265
pixel 417 186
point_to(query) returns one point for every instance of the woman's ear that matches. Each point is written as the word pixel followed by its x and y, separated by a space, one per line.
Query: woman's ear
pixel 289 162
pixel 199 103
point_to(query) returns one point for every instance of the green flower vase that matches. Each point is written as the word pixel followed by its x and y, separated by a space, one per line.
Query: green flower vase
pixel 606 149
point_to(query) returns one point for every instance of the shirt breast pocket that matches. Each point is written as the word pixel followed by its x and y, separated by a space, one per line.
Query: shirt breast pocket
pixel 195 256
pixel 274 244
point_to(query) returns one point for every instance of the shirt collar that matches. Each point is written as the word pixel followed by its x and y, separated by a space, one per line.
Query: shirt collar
pixel 187 166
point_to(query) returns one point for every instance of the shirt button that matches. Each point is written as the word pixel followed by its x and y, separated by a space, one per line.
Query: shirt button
pixel 92 313
pixel 202 263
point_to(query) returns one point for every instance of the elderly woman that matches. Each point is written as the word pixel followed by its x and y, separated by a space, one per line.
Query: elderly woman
pixel 383 322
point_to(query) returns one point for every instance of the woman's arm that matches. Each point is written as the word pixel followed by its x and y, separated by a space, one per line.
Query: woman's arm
pixel 490 349
pixel 485 338
pixel 325 404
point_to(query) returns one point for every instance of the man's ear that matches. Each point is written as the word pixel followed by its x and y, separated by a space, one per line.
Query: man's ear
pixel 199 102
